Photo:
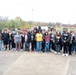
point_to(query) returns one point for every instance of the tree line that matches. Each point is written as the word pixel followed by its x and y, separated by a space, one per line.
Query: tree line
pixel 19 23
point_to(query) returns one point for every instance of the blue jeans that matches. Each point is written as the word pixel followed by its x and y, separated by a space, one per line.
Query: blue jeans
pixel 58 48
pixel 38 46
pixel 47 46
pixel 74 47
pixel 0 44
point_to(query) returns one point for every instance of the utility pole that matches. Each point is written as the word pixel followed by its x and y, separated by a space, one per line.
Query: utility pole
pixel 32 14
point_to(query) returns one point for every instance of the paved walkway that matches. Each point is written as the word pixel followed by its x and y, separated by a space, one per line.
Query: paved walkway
pixel 72 65
pixel 39 64
pixel 7 58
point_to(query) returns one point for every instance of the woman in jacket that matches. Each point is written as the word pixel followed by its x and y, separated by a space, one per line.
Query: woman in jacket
pixel 58 42
pixel 32 41
pixel 70 43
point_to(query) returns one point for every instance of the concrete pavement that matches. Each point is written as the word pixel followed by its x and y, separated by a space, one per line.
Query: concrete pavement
pixel 39 64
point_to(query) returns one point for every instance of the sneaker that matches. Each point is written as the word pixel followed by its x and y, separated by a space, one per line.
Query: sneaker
pixel 63 55
pixel 21 49
pixel 59 53
pixel 67 55
pixel 55 52
pixel 12 49
pixel 32 50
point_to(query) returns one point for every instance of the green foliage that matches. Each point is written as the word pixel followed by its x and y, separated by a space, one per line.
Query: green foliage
pixel 17 23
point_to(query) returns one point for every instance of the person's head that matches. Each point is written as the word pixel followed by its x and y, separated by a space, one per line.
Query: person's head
pixel 65 29
pixel 39 27
pixel 32 32
pixel 43 31
pixel 17 33
pixel 49 29
pixel 39 31
pixel 58 33
pixel 5 31
pixel 52 29
pixel 46 33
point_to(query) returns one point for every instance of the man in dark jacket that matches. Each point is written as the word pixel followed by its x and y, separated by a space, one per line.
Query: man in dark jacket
pixel 65 41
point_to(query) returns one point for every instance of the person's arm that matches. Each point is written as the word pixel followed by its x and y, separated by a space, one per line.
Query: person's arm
pixel 68 38
pixel 14 39
pixel 2 36
pixel 36 37
pixel 42 37
pixel 20 40
pixel 62 38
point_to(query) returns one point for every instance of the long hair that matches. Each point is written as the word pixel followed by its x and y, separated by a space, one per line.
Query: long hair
pixel 58 34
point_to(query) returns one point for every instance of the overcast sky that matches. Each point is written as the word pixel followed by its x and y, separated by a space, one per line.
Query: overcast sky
pixel 43 10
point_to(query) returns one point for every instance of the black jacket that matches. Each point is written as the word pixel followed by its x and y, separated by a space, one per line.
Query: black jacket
pixel 66 37
pixel 5 36
pixel 74 39
pixel 58 40
pixel 52 37
pixel 32 37
pixel 28 38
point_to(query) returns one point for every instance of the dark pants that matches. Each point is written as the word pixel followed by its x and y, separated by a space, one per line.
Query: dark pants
pixel 70 49
pixel 13 44
pixel 43 46
pixel 9 44
pixel 32 45
pixel 22 44
pixel 53 46
pixel 58 47
pixel 65 46
pixel 35 44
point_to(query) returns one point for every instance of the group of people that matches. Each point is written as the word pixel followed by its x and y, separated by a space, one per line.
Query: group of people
pixel 39 40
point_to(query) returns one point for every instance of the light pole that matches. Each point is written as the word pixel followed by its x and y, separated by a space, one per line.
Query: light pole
pixel 32 14
pixel 32 18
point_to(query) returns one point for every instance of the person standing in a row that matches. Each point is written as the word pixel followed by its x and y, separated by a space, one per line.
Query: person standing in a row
pixel 32 41
pixel 71 43
pixel 58 42
pixel 52 40
pixel 0 40
pixel 47 41
pixel 65 41
pixel 12 39
pixel 17 41
pixel 74 42
pixel 27 40
pixel 39 39
pixel 5 39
